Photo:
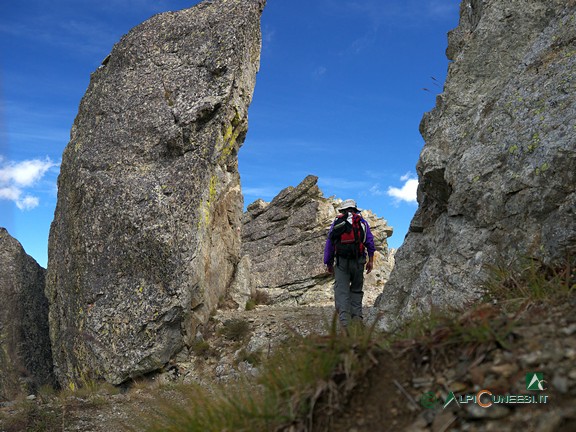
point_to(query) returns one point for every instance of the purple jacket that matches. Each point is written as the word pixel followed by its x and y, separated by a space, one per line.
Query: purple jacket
pixel 329 248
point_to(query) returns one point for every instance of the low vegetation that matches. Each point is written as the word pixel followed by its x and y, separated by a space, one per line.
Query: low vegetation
pixel 49 410
pixel 260 297
pixel 305 378
pixel 311 377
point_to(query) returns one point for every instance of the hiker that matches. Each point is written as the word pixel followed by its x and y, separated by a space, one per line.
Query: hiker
pixel 349 241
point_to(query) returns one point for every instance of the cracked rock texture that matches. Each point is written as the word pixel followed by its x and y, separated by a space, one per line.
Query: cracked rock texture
pixel 285 239
pixel 498 171
pixel 25 354
pixel 146 234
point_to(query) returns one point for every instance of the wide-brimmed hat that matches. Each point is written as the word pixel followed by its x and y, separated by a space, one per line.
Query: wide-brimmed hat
pixel 346 204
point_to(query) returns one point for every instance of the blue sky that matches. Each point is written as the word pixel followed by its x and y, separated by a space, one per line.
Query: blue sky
pixel 340 94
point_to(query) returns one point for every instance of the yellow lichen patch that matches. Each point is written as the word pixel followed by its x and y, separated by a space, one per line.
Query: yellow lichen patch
pixel 205 206
pixel 230 133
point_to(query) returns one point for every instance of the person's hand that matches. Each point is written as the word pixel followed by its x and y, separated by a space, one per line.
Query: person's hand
pixel 369 266
pixel 330 269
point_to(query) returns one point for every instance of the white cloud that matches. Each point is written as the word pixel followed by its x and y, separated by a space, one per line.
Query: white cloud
pixel 10 193
pixel 28 202
pixel 25 173
pixel 16 176
pixel 407 176
pixel 407 192
pixel 340 183
pixel 260 192
pixel 375 190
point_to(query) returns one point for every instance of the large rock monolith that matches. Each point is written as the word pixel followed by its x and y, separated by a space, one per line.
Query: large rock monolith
pixel 25 353
pixel 497 175
pixel 146 234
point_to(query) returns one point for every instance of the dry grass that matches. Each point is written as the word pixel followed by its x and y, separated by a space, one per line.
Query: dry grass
pixel 306 377
pixel 532 280
pixel 260 297
pixel 235 329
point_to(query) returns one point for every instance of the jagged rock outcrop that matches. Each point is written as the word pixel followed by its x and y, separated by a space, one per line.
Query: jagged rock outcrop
pixel 497 176
pixel 146 234
pixel 25 353
pixel 285 242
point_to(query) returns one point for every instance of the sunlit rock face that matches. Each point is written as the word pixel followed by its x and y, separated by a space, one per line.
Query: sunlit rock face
pixel 285 239
pixel 146 234
pixel 498 171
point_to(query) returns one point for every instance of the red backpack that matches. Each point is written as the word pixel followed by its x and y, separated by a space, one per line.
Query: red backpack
pixel 348 235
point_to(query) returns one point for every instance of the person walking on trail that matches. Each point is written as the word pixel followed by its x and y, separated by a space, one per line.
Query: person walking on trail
pixel 349 242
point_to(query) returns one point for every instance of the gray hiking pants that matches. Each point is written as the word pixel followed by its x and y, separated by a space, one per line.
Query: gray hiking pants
pixel 348 283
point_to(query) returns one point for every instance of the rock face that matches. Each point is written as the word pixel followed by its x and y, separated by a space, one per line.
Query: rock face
pixel 497 174
pixel 285 242
pixel 146 234
pixel 25 354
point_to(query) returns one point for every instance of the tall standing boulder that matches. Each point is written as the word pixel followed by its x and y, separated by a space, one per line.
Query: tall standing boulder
pixel 146 233
pixel 25 353
pixel 497 176
pixel 285 239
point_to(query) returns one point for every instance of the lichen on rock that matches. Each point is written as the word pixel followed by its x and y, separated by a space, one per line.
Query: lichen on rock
pixel 496 175
pixel 25 353
pixel 145 238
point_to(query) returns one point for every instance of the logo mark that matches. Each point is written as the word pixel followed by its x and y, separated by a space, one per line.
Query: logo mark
pixel 451 397
pixel 534 381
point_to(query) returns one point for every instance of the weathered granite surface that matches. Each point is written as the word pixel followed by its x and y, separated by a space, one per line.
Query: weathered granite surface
pixel 25 353
pixel 285 242
pixel 146 233
pixel 498 171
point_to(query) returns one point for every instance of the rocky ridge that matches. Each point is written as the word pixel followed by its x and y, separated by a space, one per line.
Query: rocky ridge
pixel 496 175
pixel 284 240
pixel 146 233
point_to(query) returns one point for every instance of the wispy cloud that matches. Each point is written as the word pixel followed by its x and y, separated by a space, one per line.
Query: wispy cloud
pixel 341 183
pixel 407 192
pixel 375 190
pixel 380 13
pixel 80 36
pixel 268 34
pixel 320 71
pixel 264 192
pixel 17 177
pixel 443 8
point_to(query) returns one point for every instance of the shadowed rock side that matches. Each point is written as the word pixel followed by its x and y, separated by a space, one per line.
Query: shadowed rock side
pixel 25 354
pixel 285 239
pixel 146 234
pixel 497 174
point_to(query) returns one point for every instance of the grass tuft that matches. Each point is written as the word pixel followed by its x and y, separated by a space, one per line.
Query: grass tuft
pixel 260 297
pixel 306 377
pixel 531 279
pixel 235 329
pixel 31 417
